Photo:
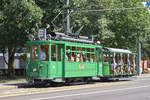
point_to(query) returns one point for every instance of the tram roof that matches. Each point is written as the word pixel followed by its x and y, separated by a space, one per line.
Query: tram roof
pixel 119 50
pixel 63 42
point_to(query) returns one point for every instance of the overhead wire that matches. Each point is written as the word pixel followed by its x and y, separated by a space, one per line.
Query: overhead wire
pixel 107 9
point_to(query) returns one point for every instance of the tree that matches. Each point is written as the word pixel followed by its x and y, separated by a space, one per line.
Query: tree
pixel 18 18
pixel 94 23
pixel 128 24
pixel 51 8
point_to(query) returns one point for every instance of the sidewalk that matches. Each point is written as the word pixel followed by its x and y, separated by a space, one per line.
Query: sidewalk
pixel 11 85
pixel 144 75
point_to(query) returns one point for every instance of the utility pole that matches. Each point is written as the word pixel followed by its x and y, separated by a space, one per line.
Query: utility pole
pixel 68 19
pixel 139 55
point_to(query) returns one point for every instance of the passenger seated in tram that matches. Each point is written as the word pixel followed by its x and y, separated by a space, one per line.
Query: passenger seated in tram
pixel 54 57
pixel 83 57
pixel 92 59
pixel 68 57
pixel 78 58
pixel 72 58
pixel 88 59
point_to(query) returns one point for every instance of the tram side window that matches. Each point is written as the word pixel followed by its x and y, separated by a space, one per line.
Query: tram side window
pixel 44 52
pixel 59 52
pixel 131 60
pixel 73 57
pixel 34 52
pixel 100 56
pixel 125 59
pixel 118 59
pixel 88 57
pixel 106 57
pixel 78 57
pixel 83 55
pixel 28 52
pixel 93 56
pixel 53 52
pixel 68 53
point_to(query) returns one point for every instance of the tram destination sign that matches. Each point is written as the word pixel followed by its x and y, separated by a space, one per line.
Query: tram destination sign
pixel 42 34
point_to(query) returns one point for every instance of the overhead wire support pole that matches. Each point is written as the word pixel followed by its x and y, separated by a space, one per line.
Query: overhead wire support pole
pixel 68 19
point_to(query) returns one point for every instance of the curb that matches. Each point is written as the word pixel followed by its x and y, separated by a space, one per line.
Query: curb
pixel 2 87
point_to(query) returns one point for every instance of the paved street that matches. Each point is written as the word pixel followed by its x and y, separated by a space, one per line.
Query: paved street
pixel 137 88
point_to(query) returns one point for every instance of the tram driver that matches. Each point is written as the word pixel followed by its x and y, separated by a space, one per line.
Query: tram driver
pixel 42 54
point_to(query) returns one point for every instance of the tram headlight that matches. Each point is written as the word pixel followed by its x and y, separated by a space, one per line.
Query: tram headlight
pixel 34 69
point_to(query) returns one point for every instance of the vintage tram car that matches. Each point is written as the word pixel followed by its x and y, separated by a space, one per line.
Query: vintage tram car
pixel 67 59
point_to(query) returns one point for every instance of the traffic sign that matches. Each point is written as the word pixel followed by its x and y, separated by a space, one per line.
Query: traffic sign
pixel 148 3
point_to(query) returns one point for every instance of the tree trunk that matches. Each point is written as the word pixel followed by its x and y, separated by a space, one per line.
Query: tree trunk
pixel 11 58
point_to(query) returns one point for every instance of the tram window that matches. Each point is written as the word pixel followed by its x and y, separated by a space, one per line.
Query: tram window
pixel 68 53
pixel 131 59
pixel 68 56
pixel 111 58
pixel 73 48
pixel 78 57
pixel 125 59
pixel 92 49
pixel 83 57
pixel 100 56
pixel 59 52
pixel 93 58
pixel 78 49
pixel 83 50
pixel 105 57
pixel 118 59
pixel 44 52
pixel 34 52
pixel 88 57
pixel 73 57
pixel 53 52
pixel 88 49
pixel 68 49
pixel 28 52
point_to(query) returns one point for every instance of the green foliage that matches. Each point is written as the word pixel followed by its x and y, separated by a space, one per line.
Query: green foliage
pixel 118 28
pixel 18 18
pixel 95 23
pixel 50 10
pixel 127 24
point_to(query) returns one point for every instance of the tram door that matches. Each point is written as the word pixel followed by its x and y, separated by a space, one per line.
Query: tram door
pixel 44 60
pixel 56 64
pixel 33 65
pixel 99 61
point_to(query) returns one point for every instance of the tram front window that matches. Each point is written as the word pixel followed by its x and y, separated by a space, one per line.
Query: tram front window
pixel 44 52
pixel 28 53
pixel 34 52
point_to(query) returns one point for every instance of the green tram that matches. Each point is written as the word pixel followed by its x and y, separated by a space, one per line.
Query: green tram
pixel 68 61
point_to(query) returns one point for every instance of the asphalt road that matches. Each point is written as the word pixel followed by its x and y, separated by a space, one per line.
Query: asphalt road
pixel 135 89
